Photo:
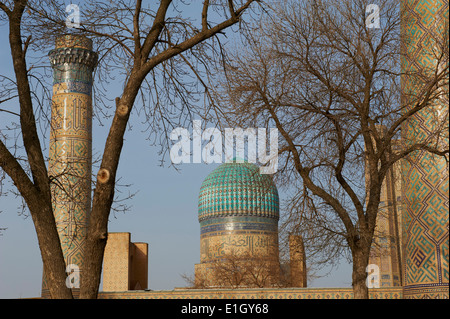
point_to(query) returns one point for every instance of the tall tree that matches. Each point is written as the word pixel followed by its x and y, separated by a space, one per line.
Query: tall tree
pixel 157 48
pixel 327 78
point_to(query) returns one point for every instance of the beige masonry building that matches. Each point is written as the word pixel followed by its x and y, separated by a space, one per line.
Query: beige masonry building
pixel 125 265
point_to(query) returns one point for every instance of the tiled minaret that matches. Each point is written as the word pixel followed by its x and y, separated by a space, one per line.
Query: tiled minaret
pixel 70 155
pixel 425 191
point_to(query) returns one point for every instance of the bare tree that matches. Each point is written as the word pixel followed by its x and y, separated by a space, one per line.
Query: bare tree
pixel 157 49
pixel 238 269
pixel 317 73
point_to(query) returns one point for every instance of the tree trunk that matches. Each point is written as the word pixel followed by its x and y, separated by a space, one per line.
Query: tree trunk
pixel 104 193
pixel 359 275
pixel 97 234
pixel 50 247
pixel 94 251
pixel 36 192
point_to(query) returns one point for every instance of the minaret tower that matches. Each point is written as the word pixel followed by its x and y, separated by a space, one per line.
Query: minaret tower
pixel 70 155
pixel 425 191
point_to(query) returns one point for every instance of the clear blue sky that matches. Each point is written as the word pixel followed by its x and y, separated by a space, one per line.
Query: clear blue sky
pixel 163 214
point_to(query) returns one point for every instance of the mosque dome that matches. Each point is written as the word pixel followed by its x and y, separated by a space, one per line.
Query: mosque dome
pixel 238 189
pixel 238 211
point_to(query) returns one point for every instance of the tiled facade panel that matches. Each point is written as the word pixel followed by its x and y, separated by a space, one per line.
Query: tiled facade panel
pixel 425 192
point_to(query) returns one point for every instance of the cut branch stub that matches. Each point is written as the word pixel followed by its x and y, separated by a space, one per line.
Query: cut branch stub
pixel 103 176
pixel 122 110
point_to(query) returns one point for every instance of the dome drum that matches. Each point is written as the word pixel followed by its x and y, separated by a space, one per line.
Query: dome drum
pixel 258 224
pixel 261 245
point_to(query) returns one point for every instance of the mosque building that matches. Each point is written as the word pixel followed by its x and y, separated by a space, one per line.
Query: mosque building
pixel 238 207
pixel 238 212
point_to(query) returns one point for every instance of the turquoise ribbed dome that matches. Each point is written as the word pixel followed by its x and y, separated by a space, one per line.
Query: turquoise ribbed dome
pixel 238 189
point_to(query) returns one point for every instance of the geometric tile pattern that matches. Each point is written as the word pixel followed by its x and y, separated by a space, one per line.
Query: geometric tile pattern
pixel 425 222
pixel 70 148
pixel 235 189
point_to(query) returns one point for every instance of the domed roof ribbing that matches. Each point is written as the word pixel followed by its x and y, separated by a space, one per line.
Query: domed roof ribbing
pixel 238 189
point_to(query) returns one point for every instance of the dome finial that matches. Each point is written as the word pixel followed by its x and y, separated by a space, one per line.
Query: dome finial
pixel 237 159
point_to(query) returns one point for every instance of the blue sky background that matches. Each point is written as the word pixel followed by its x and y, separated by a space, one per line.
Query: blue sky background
pixel 163 214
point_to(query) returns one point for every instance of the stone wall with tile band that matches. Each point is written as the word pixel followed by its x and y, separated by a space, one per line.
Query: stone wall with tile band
pixel 254 293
